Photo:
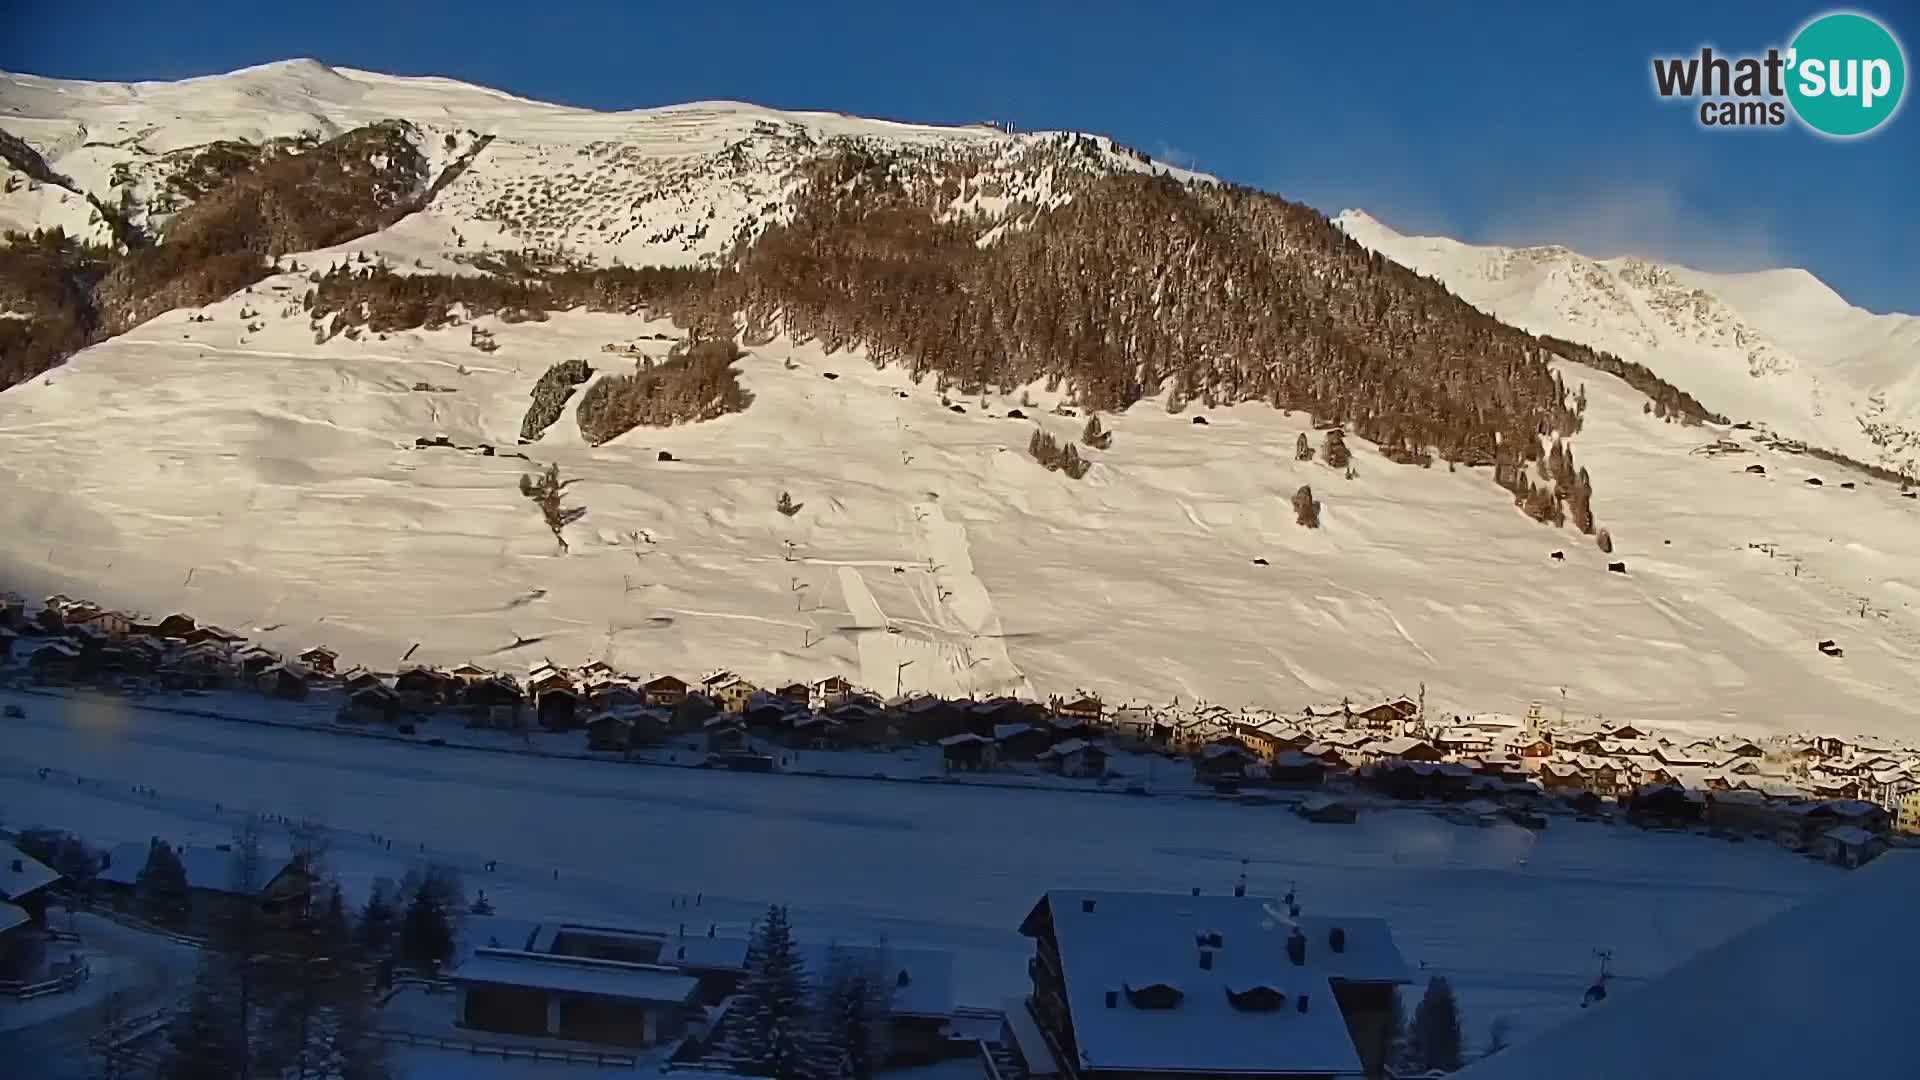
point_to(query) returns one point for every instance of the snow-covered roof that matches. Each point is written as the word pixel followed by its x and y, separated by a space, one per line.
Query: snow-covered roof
pixel 1813 991
pixel 207 868
pixel 11 917
pixel 1850 835
pixel 31 876
pixel 1128 942
pixel 575 974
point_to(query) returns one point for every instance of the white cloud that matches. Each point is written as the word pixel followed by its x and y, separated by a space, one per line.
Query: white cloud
pixel 1643 220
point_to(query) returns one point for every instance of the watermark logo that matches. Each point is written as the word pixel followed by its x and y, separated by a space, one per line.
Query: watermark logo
pixel 1843 75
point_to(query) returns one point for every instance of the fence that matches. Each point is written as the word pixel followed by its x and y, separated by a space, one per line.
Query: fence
pixel 511 1053
pixel 134 922
pixel 25 991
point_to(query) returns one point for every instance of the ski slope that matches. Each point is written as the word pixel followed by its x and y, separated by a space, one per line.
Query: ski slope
pixel 266 483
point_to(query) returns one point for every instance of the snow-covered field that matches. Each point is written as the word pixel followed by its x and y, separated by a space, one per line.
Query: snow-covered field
pixel 925 864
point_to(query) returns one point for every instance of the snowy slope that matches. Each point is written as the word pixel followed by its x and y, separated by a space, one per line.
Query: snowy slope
pixel 270 483
pixel 261 480
pixel 666 186
pixel 1777 347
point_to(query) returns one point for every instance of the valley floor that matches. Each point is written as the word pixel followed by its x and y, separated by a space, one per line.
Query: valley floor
pixel 1512 917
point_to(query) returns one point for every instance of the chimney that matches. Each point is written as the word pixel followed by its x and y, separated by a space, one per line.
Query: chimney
pixel 1206 959
pixel 1301 1001
pixel 1086 905
pixel 1297 948
pixel 1113 999
pixel 1337 939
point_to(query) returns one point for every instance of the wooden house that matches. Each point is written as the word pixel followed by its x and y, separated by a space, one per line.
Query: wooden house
pixel 861 721
pixel 373 704
pixel 211 635
pixel 798 694
pixel 1223 759
pixel 282 682
pixel 55 663
pixel 1293 769
pixel 830 691
pixel 926 719
pixel 558 708
pixel 1086 710
pixel 424 689
pixel 733 693
pixel 1077 757
pixel 665 690
pixel 968 752
pixel 615 696
pixel 725 734
pixel 1665 804
pixel 609 731
pixel 1020 741
pixel 495 702
pixel 319 659
pixel 1403 748
pixel 176 625
pixel 1850 846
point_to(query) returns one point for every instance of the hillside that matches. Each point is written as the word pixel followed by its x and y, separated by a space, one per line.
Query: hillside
pixel 254 458
pixel 1774 347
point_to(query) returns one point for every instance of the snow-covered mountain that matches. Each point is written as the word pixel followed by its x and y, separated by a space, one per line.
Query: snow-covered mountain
pixel 1774 347
pixel 231 461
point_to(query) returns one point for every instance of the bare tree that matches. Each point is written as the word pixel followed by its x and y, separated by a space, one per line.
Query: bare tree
pixel 544 490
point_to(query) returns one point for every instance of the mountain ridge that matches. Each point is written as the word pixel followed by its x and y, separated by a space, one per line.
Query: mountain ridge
pixel 287 468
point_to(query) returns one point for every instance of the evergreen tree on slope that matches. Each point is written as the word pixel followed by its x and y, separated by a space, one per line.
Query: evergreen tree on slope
pixel 772 1031
pixel 1433 1039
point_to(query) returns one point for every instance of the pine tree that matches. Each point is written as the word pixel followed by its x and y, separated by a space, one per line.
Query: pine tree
pixel 427 929
pixel 772 1031
pixel 378 920
pixel 1604 540
pixel 1303 448
pixel 1306 509
pixel 201 1043
pixel 239 937
pixel 786 505
pixel 322 1020
pixel 1434 1040
pixel 160 890
pixel 1094 435
pixel 855 1003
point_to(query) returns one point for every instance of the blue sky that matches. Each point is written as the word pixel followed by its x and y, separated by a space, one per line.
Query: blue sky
pixel 1512 123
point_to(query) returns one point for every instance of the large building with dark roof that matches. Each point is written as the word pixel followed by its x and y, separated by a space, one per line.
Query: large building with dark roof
pixel 1132 986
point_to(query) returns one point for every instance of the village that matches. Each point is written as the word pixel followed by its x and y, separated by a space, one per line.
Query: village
pixel 1817 795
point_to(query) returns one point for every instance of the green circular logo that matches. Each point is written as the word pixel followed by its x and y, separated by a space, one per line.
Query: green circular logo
pixel 1847 75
